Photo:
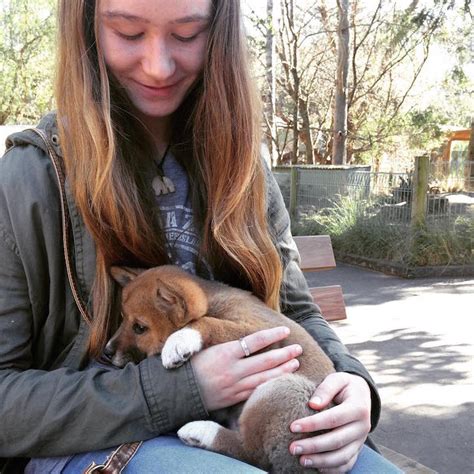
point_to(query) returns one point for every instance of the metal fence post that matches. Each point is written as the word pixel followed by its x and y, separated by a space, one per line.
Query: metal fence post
pixel 293 191
pixel 420 188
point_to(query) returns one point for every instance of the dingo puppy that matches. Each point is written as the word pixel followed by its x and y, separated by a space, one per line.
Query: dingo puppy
pixel 170 312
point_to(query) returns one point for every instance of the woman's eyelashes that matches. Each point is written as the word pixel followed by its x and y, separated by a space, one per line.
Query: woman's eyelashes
pixel 138 36
pixel 185 39
pixel 130 37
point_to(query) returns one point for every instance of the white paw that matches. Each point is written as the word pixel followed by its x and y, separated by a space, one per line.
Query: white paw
pixel 180 346
pixel 199 433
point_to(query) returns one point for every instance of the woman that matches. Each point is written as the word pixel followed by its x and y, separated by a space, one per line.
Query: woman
pixel 157 127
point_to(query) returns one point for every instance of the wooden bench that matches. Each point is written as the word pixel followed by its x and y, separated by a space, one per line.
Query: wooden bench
pixel 316 255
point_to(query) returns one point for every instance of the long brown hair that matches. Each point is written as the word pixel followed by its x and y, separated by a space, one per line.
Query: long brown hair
pixel 101 141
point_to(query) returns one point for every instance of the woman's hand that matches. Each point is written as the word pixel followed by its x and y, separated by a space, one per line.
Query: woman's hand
pixel 348 422
pixel 226 377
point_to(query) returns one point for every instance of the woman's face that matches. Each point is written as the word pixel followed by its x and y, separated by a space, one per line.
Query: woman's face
pixel 155 49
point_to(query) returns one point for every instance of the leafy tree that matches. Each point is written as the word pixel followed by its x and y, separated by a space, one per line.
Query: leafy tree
pixel 426 128
pixel 389 54
pixel 302 61
pixel 27 59
pixel 389 49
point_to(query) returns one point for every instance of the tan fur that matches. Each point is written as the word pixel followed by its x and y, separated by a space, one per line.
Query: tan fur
pixel 164 300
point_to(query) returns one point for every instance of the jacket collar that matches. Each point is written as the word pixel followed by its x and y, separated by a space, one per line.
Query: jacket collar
pixel 26 137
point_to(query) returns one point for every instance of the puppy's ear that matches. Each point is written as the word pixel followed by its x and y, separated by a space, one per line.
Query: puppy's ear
pixel 171 303
pixel 124 275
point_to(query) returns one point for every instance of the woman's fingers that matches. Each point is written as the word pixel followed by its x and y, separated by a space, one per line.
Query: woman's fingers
pixel 341 460
pixel 269 360
pixel 226 376
pixel 330 441
pixel 328 389
pixel 334 417
pixel 259 340
pixel 348 423
pixel 353 397
pixel 252 381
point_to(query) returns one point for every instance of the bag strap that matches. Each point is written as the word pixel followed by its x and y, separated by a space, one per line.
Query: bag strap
pixel 55 160
pixel 117 461
pixel 124 453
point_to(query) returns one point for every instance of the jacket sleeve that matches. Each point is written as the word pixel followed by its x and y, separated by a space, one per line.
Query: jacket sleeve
pixel 61 411
pixel 296 300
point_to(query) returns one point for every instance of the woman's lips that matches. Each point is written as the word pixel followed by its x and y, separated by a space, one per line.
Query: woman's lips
pixel 159 92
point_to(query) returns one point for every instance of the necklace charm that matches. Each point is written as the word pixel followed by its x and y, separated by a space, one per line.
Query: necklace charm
pixel 162 185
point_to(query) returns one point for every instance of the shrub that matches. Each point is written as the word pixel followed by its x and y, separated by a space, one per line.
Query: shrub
pixel 358 227
pixel 443 245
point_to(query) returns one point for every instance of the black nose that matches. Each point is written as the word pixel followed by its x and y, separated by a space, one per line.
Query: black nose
pixel 109 350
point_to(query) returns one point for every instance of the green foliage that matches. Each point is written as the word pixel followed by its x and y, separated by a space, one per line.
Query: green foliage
pixel 27 59
pixel 358 228
pixel 456 97
pixel 388 64
pixel 443 245
pixel 377 136
pixel 426 128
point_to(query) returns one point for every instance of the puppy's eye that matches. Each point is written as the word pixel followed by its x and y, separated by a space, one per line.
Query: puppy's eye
pixel 138 328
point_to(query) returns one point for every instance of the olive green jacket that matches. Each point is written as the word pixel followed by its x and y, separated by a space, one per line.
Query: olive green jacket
pixel 50 405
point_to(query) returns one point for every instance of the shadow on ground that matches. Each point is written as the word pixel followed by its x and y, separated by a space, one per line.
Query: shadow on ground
pixel 426 386
pixel 423 355
pixel 376 288
pixel 439 442
pixel 415 338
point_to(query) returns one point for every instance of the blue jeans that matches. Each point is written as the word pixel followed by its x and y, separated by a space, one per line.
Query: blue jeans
pixel 168 455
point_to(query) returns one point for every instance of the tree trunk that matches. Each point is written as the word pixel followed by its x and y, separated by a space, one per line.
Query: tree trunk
pixel 339 153
pixel 270 102
pixel 296 79
pixel 308 140
pixel 296 84
pixel 470 154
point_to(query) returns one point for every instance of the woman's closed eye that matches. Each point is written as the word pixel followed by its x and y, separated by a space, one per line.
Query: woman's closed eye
pixel 188 33
pixel 186 39
pixel 129 37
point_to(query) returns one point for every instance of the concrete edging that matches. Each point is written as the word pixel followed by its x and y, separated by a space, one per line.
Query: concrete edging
pixel 406 464
pixel 406 271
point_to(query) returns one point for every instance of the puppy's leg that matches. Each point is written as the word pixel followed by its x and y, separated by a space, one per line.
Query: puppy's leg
pixel 180 346
pixel 215 330
pixel 195 336
pixel 213 437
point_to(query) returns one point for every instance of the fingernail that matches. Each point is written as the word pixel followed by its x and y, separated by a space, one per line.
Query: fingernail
pixel 298 349
pixel 286 330
pixel 296 429
pixel 316 401
pixel 297 450
pixel 308 463
pixel 295 364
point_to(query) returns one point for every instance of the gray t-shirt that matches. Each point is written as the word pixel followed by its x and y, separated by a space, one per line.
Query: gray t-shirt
pixel 176 219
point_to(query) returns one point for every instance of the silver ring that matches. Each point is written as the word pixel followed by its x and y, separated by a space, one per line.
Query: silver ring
pixel 244 347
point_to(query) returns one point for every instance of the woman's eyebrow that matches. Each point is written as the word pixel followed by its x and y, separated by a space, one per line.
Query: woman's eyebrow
pixel 126 16
pixel 112 14
pixel 192 19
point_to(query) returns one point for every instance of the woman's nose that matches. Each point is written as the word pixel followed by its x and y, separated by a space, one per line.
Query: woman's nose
pixel 158 62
